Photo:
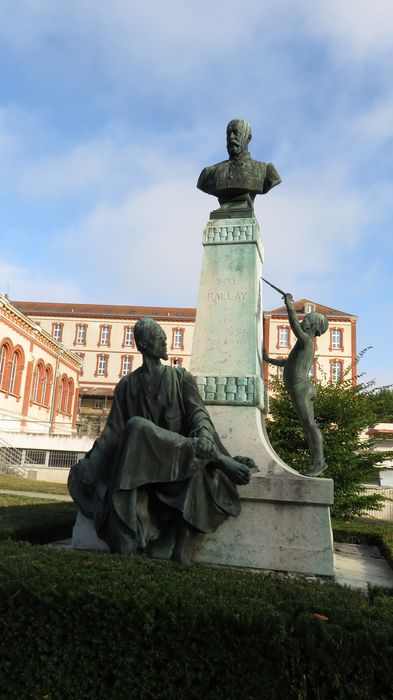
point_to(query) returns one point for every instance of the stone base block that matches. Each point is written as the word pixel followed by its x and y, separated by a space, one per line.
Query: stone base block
pixel 84 535
pixel 284 525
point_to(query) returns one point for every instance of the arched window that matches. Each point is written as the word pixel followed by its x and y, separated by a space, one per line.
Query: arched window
pixel 43 387
pixel 20 365
pixel 70 396
pixel 64 400
pixel 3 364
pixel 14 365
pixel 38 377
pixel 60 396
pixel 47 385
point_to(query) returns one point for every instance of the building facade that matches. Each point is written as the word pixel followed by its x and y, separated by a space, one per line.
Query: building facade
pixel 103 337
pixel 39 377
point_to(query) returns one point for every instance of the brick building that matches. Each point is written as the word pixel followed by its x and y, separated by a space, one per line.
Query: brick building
pixel 103 338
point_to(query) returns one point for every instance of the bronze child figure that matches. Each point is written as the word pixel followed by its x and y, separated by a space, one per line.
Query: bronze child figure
pixel 297 378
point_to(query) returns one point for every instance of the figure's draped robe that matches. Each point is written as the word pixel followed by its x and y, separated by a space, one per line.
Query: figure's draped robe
pixel 142 473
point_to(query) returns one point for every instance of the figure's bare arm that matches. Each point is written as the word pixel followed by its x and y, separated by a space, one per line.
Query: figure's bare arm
pixel 293 319
pixel 277 362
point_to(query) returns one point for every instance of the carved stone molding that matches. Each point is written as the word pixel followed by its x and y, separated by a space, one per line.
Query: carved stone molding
pixel 239 391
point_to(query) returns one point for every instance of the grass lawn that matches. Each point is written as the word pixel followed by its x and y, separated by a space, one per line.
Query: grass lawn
pixel 19 483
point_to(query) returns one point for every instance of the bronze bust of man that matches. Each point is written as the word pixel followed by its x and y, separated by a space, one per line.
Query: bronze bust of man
pixel 237 181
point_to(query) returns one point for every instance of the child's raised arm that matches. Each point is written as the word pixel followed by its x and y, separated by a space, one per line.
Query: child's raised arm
pixel 293 319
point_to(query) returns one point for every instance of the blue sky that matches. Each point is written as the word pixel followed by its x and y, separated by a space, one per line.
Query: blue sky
pixel 109 111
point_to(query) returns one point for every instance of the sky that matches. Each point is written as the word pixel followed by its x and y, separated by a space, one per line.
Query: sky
pixel 109 110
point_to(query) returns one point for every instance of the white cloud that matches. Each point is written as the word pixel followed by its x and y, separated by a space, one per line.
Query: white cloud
pixel 360 28
pixel 147 250
pixel 310 226
pixel 22 283
pixel 376 124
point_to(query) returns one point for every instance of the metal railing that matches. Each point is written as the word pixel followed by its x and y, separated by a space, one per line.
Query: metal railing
pixel 11 459
pixel 19 461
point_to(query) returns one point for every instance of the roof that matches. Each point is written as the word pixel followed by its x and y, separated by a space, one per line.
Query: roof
pixel 37 330
pixel 320 308
pixel 163 313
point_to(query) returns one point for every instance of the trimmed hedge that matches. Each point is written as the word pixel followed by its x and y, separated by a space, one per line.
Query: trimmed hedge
pixel 81 625
pixel 74 625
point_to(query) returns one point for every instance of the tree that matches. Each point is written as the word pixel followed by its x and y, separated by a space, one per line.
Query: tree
pixel 381 401
pixel 343 413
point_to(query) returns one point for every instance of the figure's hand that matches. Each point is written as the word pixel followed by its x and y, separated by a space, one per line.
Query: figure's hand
pixel 241 474
pixel 205 448
pixel 247 461
pixel 288 298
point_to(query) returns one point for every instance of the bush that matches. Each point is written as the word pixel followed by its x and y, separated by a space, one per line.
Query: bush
pixel 81 625
pixel 75 625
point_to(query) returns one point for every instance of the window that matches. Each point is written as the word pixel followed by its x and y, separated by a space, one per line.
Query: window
pixel 65 396
pixel 99 403
pixel 125 365
pixel 177 339
pixel 176 361
pixel 309 308
pixel 128 339
pixel 68 405
pixel 47 385
pixel 336 370
pixel 105 334
pixel 336 339
pixel 102 365
pixel 60 396
pixel 57 331
pixel 280 372
pixel 44 386
pixel 14 364
pixel 283 337
pixel 34 388
pixel 80 336
pixel 38 379
pixel 3 360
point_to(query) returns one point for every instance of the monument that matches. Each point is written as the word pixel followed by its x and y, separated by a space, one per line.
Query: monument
pixel 160 472
pixel 284 522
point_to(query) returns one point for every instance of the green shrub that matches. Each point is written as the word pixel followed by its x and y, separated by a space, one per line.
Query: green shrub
pixel 74 625
pixel 82 625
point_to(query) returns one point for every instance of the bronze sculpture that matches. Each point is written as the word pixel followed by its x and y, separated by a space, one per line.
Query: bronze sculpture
pixel 237 181
pixel 296 377
pixel 159 463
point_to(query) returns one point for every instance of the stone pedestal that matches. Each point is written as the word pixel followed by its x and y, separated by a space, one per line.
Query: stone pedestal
pixel 285 523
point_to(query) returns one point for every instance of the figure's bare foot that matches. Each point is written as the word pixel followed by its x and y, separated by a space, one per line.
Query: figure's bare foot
pixel 236 471
pixel 316 469
pixel 180 551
